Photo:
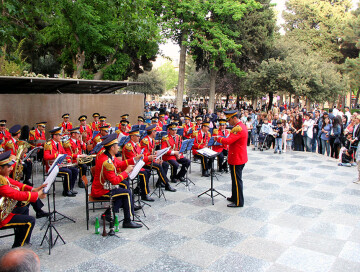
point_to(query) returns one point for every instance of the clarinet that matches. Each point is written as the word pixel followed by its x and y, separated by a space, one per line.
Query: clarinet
pixel 111 232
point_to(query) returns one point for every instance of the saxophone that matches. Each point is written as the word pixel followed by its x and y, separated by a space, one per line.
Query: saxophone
pixel 18 171
pixel 6 204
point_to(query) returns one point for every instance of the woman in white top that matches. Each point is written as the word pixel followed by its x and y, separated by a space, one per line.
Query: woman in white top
pixel 307 132
pixel 284 135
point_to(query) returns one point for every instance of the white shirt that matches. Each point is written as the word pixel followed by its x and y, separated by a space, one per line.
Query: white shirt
pixel 335 111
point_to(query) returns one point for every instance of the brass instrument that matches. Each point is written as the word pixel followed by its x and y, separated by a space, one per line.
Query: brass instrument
pixel 7 204
pixel 18 171
pixel 65 165
pixel 85 160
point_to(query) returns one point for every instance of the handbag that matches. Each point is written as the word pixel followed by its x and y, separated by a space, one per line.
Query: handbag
pixel 337 140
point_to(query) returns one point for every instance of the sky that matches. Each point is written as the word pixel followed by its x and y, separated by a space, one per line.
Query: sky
pixel 172 50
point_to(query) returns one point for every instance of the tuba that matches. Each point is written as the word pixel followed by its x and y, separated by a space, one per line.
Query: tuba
pixel 18 171
pixel 85 160
pixel 7 204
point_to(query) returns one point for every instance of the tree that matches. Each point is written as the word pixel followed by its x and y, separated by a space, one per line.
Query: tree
pixel 168 74
pixel 315 23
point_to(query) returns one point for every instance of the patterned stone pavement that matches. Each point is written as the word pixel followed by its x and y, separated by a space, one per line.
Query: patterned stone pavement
pixel 301 213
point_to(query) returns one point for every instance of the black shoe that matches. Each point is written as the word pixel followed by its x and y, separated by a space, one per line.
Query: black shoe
pixel 205 174
pixel 69 194
pixel 169 188
pixel 147 198
pixel 174 180
pixel 81 185
pixel 233 205
pixel 131 225
pixel 136 191
pixel 41 214
pixel 230 199
pixel 136 208
pixel 27 182
pixel 74 192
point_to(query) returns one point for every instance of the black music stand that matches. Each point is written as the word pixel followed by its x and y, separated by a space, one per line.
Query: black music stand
pixel 136 218
pixel 185 147
pixel 50 225
pixel 211 190
pixel 212 142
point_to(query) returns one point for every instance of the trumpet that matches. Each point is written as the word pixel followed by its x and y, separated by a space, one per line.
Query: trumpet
pixel 85 160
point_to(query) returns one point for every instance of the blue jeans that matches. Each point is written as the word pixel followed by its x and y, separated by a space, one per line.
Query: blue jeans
pixel 307 144
pixel 278 144
pixel 325 144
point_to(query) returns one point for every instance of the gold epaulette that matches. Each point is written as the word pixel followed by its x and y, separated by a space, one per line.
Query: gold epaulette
pixel 3 181
pixel 60 125
pixel 209 134
pixel 117 125
pixel 165 138
pixel 215 131
pixel 48 146
pixel 88 126
pixel 67 144
pixel 109 124
pixel 109 166
pixel 145 141
pixel 32 132
pixel 195 133
pixel 9 144
pixel 70 123
pixel 236 129
pixel 129 146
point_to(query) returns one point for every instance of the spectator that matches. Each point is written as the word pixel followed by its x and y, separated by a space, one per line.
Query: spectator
pixel 347 113
pixel 20 259
pixel 307 131
pixel 278 136
pixel 325 136
pixel 147 115
pixel 298 142
pixel 285 126
pixel 249 126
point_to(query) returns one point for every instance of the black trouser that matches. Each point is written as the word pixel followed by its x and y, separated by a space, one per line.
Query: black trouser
pixel 161 170
pixel 37 205
pixel 334 148
pixel 222 164
pixel 144 176
pixel 71 174
pixel 23 223
pixel 82 168
pixel 185 163
pixel 237 184
pixel 122 198
pixel 206 163
pixel 298 142
pixel 27 170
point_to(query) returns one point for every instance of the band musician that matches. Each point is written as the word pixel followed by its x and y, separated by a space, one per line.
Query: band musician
pixel 96 122
pixel 188 128
pixel 52 150
pixel 38 134
pixel 173 156
pixel 10 191
pixel 161 167
pixel 221 149
pixel 66 124
pixel 85 132
pixel 202 138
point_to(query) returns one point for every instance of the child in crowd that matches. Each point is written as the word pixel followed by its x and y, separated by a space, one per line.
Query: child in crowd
pixel 289 139
pixel 278 131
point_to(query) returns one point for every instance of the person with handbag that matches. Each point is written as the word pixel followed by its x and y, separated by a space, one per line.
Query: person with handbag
pixel 335 133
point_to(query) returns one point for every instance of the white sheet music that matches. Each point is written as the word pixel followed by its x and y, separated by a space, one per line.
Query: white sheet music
pixel 121 135
pixel 207 152
pixel 161 153
pixel 50 179
pixel 136 169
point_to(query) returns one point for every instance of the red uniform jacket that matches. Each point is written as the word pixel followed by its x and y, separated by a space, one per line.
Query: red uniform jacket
pixel 237 142
pixel 95 126
pixel 126 133
pixel 66 127
pixel 88 131
pixel 74 149
pixel 37 135
pixel 187 128
pixel 161 124
pixel 51 151
pixel 5 135
pixel 197 127
pixel 200 142
pixel 11 145
pixel 218 132
pixel 175 145
pixel 23 194
pixel 107 169
pixel 131 150
pixel 148 144
pixel 97 139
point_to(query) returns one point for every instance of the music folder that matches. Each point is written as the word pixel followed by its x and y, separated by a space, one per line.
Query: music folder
pixel 57 161
pixel 184 145
pixel 136 169
pixel 50 179
pixel 32 152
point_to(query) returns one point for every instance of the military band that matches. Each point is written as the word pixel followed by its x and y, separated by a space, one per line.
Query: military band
pixel 113 163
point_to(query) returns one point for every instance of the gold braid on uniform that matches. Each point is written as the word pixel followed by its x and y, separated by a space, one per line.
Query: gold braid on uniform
pixel 236 130
pixel 47 146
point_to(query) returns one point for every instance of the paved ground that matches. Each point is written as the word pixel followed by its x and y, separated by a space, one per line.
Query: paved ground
pixel 302 213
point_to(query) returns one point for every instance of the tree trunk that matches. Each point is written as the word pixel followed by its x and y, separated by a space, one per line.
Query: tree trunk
pixel 271 98
pixel 308 104
pixel 79 63
pixel 211 105
pixel 227 101
pixel 238 102
pixel 357 98
pixel 181 81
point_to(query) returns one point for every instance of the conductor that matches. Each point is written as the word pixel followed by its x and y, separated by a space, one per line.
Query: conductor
pixel 237 156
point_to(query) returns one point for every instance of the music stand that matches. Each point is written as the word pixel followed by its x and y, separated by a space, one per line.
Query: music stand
pixel 212 142
pixel 159 155
pixel 50 227
pixel 136 218
pixel 211 190
pixel 185 147
pixel 54 166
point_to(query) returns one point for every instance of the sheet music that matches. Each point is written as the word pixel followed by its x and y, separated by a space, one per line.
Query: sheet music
pixel 51 178
pixel 28 155
pixel 57 161
pixel 121 135
pixel 207 152
pixel 161 153
pixel 136 169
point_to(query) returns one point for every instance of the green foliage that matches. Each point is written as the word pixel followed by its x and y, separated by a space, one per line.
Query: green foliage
pixel 152 84
pixel 168 74
pixel 14 64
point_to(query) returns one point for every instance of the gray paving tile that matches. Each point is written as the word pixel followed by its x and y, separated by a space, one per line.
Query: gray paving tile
pixel 327 167
pixel 301 184
pixel 334 183
pixel 352 192
pixel 351 252
pixel 222 237
pixel 267 186
pixel 210 217
pixel 342 265
pixel 98 244
pixel 169 264
pixel 202 201
pixel 346 208
pixel 304 211
pixel 255 213
pixel 335 231
pixel 278 234
pixel 163 240
pixel 321 195
pixel 96 265
pixel 286 176
pixel 282 197
pixel 306 260
pixel 239 262
pixel 255 177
